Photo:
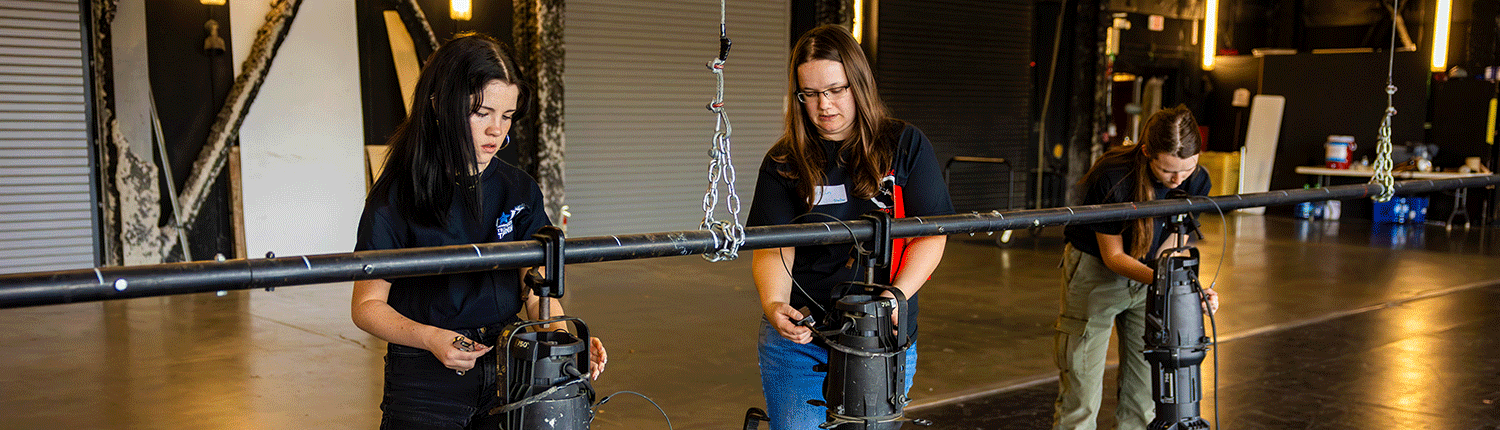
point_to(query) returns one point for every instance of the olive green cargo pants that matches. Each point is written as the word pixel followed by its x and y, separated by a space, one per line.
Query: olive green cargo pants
pixel 1095 299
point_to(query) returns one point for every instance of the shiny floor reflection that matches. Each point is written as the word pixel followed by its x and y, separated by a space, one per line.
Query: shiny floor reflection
pixel 1422 364
pixel 1325 325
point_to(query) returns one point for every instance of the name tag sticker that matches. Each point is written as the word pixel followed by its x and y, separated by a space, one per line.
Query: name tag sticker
pixel 831 195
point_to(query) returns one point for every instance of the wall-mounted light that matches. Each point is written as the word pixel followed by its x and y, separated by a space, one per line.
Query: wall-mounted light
pixel 213 45
pixel 1440 23
pixel 461 10
pixel 1210 33
pixel 859 21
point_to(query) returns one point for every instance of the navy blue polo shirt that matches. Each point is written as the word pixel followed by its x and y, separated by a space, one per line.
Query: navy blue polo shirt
pixel 513 210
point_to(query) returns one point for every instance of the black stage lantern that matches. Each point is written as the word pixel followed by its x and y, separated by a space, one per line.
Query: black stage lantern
pixel 1175 344
pixel 543 378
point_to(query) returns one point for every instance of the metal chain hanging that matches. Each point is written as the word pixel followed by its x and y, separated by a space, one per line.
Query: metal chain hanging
pixel 1383 164
pixel 728 234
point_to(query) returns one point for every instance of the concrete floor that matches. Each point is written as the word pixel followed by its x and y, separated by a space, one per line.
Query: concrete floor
pixel 682 331
pixel 1425 362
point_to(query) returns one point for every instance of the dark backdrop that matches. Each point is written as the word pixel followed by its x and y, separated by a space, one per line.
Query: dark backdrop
pixel 189 87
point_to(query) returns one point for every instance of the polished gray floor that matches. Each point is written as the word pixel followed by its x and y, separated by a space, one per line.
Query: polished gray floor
pixel 681 331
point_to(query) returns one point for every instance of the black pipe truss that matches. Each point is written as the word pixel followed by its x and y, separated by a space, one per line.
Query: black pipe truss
pixel 111 283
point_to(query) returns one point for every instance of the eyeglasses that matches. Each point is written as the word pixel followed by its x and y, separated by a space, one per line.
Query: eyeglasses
pixel 831 93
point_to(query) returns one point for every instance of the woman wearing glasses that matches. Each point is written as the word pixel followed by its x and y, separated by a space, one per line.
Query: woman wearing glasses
pixel 1105 270
pixel 840 155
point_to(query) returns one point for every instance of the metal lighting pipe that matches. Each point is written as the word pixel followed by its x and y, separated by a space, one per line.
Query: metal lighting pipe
pixel 110 283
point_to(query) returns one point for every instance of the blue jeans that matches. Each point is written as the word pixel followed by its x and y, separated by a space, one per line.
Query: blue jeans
pixel 788 379
pixel 422 394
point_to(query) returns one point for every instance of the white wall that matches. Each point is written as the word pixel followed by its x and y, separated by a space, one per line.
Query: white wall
pixel 302 143
pixel 132 77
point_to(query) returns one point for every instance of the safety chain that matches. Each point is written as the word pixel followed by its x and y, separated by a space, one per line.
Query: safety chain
pixel 728 234
pixel 1383 164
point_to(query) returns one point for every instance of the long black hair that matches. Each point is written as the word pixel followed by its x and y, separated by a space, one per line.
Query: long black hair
pixel 1168 131
pixel 431 159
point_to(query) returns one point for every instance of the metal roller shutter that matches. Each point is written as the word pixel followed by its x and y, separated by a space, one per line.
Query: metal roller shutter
pixel 638 132
pixel 46 204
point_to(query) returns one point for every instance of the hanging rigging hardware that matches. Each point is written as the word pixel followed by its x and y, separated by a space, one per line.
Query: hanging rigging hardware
pixel 728 234
pixel 1383 163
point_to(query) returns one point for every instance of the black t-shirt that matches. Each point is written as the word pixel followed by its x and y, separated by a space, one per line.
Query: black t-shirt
pixel 513 210
pixel 916 187
pixel 1117 185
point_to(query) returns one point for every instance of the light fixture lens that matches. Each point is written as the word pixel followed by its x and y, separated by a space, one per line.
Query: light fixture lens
pixel 213 2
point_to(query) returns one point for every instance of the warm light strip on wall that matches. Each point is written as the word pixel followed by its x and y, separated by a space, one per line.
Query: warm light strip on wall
pixel 1210 33
pixel 461 10
pixel 1441 19
pixel 859 18
pixel 212 2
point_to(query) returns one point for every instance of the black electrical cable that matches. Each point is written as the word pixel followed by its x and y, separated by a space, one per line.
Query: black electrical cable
pixel 578 378
pixel 1214 340
pixel 643 396
pixel 1203 297
pixel 788 269
pixel 532 399
pixel 852 351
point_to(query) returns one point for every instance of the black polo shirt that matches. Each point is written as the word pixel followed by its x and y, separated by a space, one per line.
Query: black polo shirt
pixel 513 210
pixel 1117 185
pixel 915 186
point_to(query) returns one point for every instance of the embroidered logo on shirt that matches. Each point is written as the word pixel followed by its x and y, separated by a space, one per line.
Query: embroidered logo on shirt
pixel 506 223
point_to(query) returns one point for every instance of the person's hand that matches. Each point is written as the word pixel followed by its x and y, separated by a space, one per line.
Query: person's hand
pixel 784 319
pixel 895 313
pixel 456 351
pixel 1210 301
pixel 597 358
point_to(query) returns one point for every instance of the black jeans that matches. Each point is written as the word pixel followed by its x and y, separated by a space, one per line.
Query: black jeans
pixel 422 394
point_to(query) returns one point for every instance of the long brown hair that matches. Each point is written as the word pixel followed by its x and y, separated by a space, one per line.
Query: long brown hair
pixel 1168 131
pixel 869 151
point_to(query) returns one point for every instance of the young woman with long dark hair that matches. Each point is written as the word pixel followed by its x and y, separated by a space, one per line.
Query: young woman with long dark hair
pixel 441 186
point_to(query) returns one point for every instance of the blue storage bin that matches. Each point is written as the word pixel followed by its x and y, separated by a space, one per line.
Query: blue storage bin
pixel 1402 210
pixel 1416 210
